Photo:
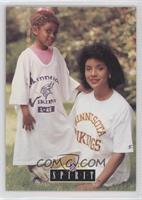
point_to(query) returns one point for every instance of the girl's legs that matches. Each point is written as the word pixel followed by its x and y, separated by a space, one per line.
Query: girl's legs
pixel 39 172
pixel 42 173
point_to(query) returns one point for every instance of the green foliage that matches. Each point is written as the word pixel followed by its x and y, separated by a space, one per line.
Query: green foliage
pixel 81 26
pixel 13 51
pixel 130 90
pixel 13 32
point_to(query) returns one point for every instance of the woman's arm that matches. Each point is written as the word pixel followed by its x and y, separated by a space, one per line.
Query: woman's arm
pixel 111 166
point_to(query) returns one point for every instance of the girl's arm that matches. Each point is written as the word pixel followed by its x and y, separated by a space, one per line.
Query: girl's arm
pixel 28 119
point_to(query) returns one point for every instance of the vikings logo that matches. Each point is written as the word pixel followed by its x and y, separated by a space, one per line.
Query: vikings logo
pixel 47 89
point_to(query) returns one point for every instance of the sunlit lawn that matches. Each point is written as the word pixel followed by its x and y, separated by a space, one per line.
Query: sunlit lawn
pixel 18 178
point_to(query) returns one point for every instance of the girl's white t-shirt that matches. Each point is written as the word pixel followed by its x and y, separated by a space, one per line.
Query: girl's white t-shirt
pixel 101 128
pixel 44 88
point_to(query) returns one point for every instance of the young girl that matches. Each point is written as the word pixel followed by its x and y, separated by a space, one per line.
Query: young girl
pixel 102 118
pixel 40 86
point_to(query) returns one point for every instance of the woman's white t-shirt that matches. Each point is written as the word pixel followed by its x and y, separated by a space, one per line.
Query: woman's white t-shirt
pixel 44 88
pixel 101 128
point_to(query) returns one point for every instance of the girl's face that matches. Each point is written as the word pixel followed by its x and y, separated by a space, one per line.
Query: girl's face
pixel 45 35
pixel 96 74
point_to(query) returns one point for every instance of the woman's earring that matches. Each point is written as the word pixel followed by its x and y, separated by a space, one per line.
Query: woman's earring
pixel 109 76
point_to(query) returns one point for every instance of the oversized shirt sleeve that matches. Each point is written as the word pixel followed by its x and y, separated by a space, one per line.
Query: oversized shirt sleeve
pixel 20 88
pixel 122 132
pixel 68 84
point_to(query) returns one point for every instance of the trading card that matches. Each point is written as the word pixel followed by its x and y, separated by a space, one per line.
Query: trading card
pixel 70 99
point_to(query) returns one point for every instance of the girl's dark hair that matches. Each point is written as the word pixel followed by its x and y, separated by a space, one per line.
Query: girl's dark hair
pixel 105 54
pixel 41 16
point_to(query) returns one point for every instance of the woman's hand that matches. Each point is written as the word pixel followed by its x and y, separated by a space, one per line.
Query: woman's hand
pixel 88 186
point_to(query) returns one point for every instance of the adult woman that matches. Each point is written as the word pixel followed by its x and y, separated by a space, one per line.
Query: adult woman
pixel 102 117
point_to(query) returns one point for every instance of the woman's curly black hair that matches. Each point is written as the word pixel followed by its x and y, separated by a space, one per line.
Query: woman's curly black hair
pixel 105 54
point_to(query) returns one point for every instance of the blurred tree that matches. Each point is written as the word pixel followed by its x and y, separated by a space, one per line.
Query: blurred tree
pixel 13 51
pixel 114 25
pixel 13 32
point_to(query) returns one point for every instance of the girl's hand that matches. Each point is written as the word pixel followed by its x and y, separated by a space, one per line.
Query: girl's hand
pixel 28 119
pixel 28 122
pixel 80 88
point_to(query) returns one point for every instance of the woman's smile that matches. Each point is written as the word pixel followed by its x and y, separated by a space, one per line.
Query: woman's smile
pixel 93 80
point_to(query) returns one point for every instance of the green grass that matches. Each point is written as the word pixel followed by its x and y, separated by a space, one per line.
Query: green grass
pixel 18 177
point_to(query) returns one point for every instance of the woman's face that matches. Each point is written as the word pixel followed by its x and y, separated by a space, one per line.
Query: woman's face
pixel 96 74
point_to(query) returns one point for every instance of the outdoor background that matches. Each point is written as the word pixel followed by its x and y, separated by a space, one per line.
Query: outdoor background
pixel 79 26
